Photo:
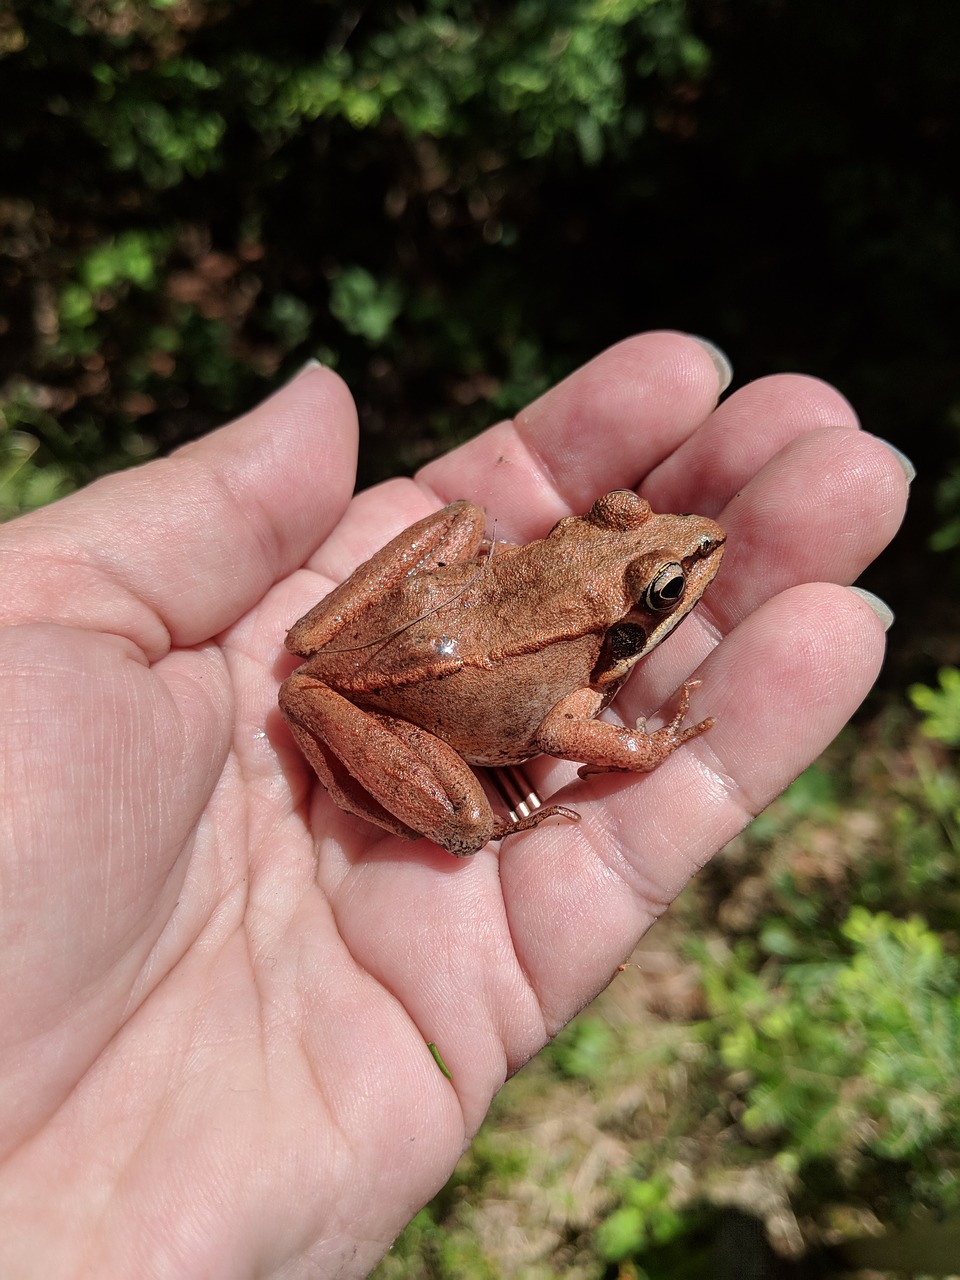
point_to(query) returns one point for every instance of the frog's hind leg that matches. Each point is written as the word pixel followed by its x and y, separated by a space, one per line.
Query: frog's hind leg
pixel 389 771
pixel 453 534
pixel 343 789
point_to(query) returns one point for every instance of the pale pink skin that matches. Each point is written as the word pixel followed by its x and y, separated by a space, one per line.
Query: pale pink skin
pixel 219 988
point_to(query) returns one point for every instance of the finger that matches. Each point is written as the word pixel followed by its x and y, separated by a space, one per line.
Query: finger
pixel 373 517
pixel 176 550
pixel 781 686
pixel 740 437
pixel 601 428
pixel 821 510
pixel 605 427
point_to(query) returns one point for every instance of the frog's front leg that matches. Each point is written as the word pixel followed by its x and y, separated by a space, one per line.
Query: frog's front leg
pixel 570 732
pixel 392 772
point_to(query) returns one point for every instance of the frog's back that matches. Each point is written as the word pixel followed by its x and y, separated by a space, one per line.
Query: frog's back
pixel 486 653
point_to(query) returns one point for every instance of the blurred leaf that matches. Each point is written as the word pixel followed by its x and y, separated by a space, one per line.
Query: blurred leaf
pixel 583 1049
pixel 941 707
pixel 365 306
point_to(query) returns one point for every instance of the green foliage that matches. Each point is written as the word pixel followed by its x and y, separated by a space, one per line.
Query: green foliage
pixel 22 486
pixel 483 196
pixel 439 1241
pixel 449 1256
pixel 365 306
pixel 557 72
pixel 157 122
pixel 946 537
pixel 103 276
pixel 41 461
pixel 941 707
pixel 583 1049
pixel 643 1219
pixel 849 1056
pixel 204 199
pixel 827 990
pixel 291 319
pixel 130 258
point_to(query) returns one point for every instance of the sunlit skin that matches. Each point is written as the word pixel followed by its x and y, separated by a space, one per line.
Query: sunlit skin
pixel 219 988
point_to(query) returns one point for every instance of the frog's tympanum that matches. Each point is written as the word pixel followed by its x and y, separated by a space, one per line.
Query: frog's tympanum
pixel 439 653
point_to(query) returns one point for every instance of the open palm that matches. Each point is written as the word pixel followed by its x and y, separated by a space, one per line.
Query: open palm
pixel 218 989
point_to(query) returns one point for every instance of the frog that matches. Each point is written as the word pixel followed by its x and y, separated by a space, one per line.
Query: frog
pixel 448 650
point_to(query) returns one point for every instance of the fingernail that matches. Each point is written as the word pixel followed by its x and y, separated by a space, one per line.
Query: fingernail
pixel 721 363
pixel 879 607
pixel 312 363
pixel 909 470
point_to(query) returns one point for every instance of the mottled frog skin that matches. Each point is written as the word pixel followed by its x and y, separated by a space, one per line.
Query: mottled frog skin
pixel 442 652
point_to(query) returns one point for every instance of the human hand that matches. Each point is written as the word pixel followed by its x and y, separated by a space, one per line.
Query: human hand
pixel 219 988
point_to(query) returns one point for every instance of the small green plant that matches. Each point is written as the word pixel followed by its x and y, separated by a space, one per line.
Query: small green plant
pixel 849 1057
pixel 946 536
pixel 643 1219
pixel 582 1051
pixel 364 305
pixel 941 707
pixel 99 282
pixel 24 483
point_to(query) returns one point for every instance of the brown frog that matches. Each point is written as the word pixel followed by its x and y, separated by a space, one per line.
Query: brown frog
pixel 442 651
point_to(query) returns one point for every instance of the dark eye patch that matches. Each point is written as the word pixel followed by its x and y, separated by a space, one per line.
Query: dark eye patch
pixel 625 640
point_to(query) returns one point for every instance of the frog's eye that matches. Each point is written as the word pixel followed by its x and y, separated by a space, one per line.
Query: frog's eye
pixel 666 590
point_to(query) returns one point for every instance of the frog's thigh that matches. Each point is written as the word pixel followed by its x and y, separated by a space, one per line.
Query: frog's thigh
pixel 455 533
pixel 344 790
pixel 387 770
